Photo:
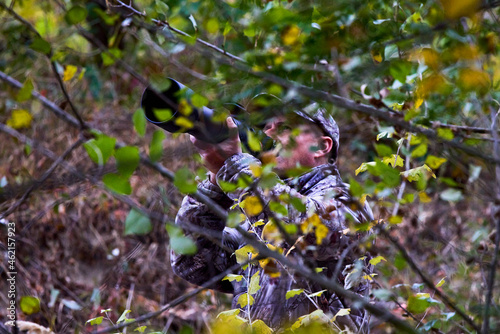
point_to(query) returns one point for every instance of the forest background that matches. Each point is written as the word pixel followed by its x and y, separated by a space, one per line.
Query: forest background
pixel 90 185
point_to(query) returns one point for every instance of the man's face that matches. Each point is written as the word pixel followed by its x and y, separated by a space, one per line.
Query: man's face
pixel 298 144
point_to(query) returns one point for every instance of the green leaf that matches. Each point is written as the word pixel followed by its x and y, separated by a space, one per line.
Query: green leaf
pixel 127 160
pixel 418 174
pixel 292 293
pixel 419 151
pixel 156 145
pixel 118 183
pixel 400 262
pixel 434 162
pixel 139 119
pixel 278 208
pixel 389 175
pixel 364 167
pixel 383 150
pixel 400 69
pixel 227 187
pixel 25 92
pixel 100 149
pixel 95 321
pixel 179 242
pixel 234 218
pixel 253 141
pixel 137 223
pixel 109 57
pixel 417 304
pixel 141 329
pixel 29 305
pixel 185 181
pixel 445 133
pixel 75 15
pixel 451 195
pixel 198 101
pixel 41 45
pixel 298 204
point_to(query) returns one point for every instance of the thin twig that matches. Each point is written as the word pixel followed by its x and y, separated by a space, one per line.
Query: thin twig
pixel 426 280
pixel 44 177
pixel 182 33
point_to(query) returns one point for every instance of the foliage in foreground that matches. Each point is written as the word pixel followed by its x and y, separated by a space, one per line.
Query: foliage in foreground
pixel 418 80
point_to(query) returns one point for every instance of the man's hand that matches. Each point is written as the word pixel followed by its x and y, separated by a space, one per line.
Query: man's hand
pixel 214 155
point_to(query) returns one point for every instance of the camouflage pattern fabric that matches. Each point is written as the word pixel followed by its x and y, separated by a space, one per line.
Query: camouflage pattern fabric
pixel 323 193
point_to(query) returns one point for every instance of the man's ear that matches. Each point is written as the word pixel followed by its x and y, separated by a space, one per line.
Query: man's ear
pixel 325 145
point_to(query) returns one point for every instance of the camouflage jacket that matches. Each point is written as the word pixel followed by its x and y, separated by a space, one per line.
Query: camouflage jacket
pixel 323 193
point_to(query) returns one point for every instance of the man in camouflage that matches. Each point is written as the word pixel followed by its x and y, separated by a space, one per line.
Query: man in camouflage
pixel 327 203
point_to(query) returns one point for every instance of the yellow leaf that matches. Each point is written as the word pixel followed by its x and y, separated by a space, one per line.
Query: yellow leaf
pixel 254 286
pixel 82 73
pixel 395 220
pixel 424 198
pixel 362 200
pixel 270 232
pixel 184 107
pixel 69 72
pixel 474 80
pixel 394 160
pixel 441 282
pixel 260 327
pixel 418 103
pixel 293 293
pixel 252 206
pixel 377 260
pixel 232 277
pixel 256 170
pixel 431 58
pixel 434 162
pixel 376 56
pixel 245 299
pixel 342 312
pixel 290 35
pixel 242 253
pixel 454 9
pixel 321 233
pixel 183 122
pixel 308 224
pixel 20 118
pixel 228 314
pixel 435 83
